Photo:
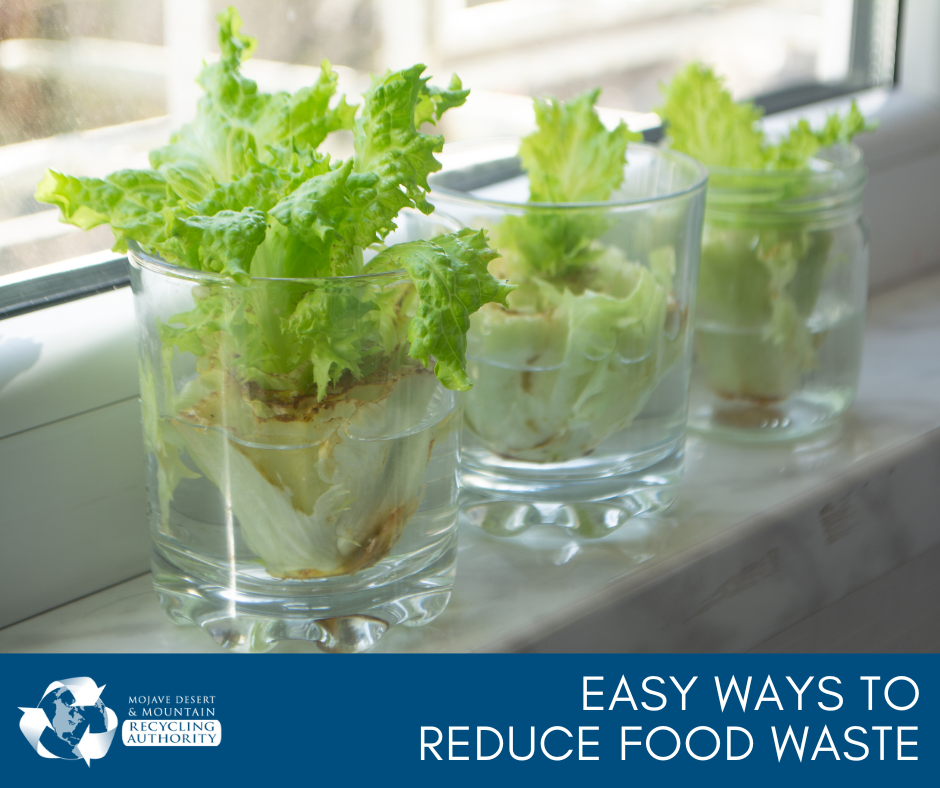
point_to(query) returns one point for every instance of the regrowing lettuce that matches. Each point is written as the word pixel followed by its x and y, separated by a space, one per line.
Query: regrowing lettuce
pixel 320 370
pixel 765 250
pixel 584 340
pixel 703 121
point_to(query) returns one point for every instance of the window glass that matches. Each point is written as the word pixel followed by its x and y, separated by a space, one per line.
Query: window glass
pixel 89 86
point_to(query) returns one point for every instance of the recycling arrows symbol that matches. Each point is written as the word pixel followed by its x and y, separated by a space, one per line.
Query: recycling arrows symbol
pixel 86 693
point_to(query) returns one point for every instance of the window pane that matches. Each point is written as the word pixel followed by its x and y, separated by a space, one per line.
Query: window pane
pixel 78 81
pixel 560 47
pixel 89 86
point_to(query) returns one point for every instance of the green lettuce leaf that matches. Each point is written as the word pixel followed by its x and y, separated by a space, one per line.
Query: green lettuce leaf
pixel 437 100
pixel 346 331
pixel 236 123
pixel 389 144
pixel 223 243
pixel 703 120
pixel 131 201
pixel 450 276
pixel 571 158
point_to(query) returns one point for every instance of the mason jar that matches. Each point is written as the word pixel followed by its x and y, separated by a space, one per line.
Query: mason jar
pixel 781 299
pixel 277 513
pixel 577 414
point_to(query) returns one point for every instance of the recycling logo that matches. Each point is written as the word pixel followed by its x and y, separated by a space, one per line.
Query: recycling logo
pixel 71 721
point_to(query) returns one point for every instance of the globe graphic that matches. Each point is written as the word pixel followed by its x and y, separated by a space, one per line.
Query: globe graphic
pixel 69 722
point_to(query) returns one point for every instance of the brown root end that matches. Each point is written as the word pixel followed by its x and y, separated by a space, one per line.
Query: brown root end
pixel 376 547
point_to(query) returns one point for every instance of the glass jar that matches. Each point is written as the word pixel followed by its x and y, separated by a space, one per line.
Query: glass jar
pixel 276 513
pixel 781 299
pixel 577 413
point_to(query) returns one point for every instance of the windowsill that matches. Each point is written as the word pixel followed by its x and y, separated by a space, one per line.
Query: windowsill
pixel 774 548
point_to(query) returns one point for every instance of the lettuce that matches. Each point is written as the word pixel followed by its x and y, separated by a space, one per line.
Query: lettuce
pixel 583 342
pixel 243 193
pixel 578 369
pixel 703 121
pixel 764 255
pixel 756 292
pixel 571 158
pixel 320 488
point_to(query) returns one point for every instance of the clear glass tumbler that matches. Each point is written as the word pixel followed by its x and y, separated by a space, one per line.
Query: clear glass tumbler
pixel 277 514
pixel 781 299
pixel 577 414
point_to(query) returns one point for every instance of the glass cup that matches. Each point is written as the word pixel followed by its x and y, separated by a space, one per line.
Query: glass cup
pixel 577 413
pixel 781 300
pixel 275 514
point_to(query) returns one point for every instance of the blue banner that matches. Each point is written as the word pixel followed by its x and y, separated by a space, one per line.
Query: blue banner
pixel 459 720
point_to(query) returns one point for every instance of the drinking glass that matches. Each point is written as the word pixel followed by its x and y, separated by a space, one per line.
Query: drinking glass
pixel 577 414
pixel 277 513
pixel 781 299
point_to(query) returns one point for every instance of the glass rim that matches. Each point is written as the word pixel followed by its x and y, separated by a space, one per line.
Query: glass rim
pixel 142 259
pixel 698 184
pixel 139 257
pixel 856 163
pixel 824 196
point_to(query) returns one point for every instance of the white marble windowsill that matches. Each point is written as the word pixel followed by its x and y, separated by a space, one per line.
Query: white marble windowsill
pixel 778 548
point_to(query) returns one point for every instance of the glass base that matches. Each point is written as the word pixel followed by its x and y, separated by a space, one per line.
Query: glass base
pixel 804 416
pixel 347 622
pixel 506 498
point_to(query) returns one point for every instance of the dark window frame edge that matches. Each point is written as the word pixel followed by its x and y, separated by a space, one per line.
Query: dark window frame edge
pixel 37 293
